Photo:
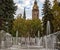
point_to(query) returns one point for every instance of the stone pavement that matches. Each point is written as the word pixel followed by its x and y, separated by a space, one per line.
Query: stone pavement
pixel 17 47
pixel 27 49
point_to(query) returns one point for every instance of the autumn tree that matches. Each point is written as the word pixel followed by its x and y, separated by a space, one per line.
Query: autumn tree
pixel 19 24
pixel 27 27
pixel 35 27
pixel 56 13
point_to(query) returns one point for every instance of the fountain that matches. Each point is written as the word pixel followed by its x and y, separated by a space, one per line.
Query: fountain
pixel 49 41
pixel 2 44
pixel 2 34
pixel 48 31
pixel 8 40
pixel 38 41
pixel 49 38
pixel 16 40
pixel 16 37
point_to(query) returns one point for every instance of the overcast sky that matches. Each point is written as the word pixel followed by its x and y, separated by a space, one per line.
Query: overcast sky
pixel 28 4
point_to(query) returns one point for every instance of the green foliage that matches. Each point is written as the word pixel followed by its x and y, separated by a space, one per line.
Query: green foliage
pixel 7 9
pixel 47 16
pixel 56 13
pixel 35 26
pixel 27 27
pixel 18 24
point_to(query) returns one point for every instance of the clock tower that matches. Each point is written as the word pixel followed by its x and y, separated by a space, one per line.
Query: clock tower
pixel 35 11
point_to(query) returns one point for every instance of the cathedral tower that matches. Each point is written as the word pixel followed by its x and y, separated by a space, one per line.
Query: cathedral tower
pixel 24 15
pixel 35 11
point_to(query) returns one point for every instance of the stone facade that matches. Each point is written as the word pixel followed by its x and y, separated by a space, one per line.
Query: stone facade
pixel 35 11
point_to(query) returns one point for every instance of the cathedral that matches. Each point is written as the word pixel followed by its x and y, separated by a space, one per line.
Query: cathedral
pixel 35 11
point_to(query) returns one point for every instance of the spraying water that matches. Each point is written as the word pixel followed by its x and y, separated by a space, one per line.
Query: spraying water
pixel 38 41
pixel 16 37
pixel 48 42
pixel 48 31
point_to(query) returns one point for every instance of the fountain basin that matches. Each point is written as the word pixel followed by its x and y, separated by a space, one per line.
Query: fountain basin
pixel 32 47
pixel 35 47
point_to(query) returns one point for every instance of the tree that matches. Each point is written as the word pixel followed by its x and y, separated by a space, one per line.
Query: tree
pixel 28 24
pixel 56 13
pixel 35 26
pixel 27 27
pixel 47 16
pixel 7 11
pixel 19 24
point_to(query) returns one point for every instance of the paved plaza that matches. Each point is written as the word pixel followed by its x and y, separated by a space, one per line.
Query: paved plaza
pixel 16 47
pixel 28 49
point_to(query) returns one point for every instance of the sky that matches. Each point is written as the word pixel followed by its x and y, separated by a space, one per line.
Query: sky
pixel 28 4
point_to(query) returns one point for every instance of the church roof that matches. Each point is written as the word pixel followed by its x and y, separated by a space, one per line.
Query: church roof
pixel 35 2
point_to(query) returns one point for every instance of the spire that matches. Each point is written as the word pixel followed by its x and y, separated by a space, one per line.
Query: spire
pixel 35 6
pixel 35 2
pixel 24 16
